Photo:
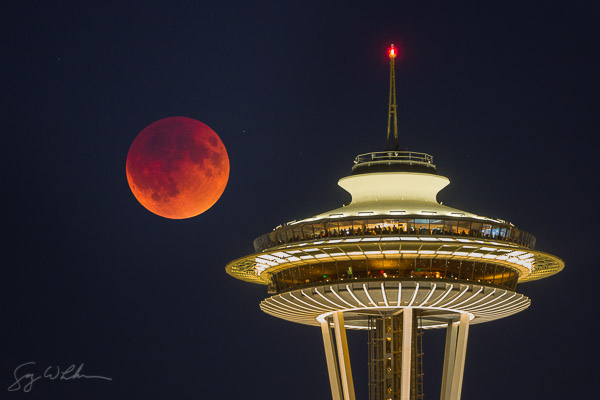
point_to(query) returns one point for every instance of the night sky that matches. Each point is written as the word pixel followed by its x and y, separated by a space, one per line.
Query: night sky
pixel 503 95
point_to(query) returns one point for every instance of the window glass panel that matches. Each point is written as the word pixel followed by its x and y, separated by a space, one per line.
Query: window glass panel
pixel 411 229
pixel 406 266
pixel 319 229
pixel 295 274
pixel 493 274
pixel 495 231
pixel 510 233
pixel 331 228
pixel 306 232
pixel 260 242
pixel 466 270
pixel 283 233
pixel 532 242
pixel 486 230
pixel 518 235
pixel 476 229
pixel 423 267
pixel 358 227
pixel 451 227
pixel 359 269
pixel 503 233
pixel 370 226
pixel 390 268
pixel 524 236
pixel 436 226
pixel 499 279
pixel 452 269
pixel 402 226
pixel 464 228
pixel 316 272
pixel 438 268
pixel 285 279
pixel 479 272
pixel 390 226
pixel 289 233
pixel 329 271
pixel 279 237
pixel 275 282
pixel 345 227
pixel 297 233
pixel 272 238
pixel 422 226
pixel 305 276
pixel 348 267
pixel 343 269
pixel 323 272
pixel 374 226
pixel 512 279
pixel 375 268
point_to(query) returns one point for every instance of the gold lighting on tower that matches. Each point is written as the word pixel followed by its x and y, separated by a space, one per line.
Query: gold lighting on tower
pixel 394 263
pixel 392 107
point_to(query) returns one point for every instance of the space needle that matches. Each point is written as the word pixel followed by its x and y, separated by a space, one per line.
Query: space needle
pixel 395 263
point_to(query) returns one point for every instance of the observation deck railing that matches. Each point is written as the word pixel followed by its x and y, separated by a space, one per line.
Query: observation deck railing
pixel 391 157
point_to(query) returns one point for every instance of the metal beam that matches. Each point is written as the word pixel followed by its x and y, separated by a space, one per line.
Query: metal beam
pixel 459 361
pixel 449 356
pixel 406 353
pixel 343 356
pixel 332 368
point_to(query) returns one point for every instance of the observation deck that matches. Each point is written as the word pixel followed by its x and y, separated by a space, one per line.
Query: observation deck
pixel 394 232
pixel 393 161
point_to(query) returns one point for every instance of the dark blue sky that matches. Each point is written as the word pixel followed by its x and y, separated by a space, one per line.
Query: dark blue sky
pixel 503 95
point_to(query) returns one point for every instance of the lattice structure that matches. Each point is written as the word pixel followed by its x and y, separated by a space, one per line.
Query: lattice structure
pixel 385 357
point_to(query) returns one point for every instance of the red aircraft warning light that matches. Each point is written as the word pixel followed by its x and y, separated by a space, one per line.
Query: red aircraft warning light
pixel 392 51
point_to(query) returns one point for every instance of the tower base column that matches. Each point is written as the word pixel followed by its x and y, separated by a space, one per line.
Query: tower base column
pixel 459 361
pixel 407 321
pixel 449 356
pixel 343 356
pixel 332 368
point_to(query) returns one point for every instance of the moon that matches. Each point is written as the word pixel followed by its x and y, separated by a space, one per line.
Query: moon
pixel 177 167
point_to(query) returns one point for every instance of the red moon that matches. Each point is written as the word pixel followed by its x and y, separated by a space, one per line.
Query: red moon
pixel 177 167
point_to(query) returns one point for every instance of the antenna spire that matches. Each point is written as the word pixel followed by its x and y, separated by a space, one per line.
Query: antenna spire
pixel 392 107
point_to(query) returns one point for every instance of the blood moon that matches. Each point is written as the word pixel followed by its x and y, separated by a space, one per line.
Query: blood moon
pixel 177 167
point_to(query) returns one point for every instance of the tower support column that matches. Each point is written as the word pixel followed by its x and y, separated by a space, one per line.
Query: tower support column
pixel 407 321
pixel 459 359
pixel 343 356
pixel 332 368
pixel 449 356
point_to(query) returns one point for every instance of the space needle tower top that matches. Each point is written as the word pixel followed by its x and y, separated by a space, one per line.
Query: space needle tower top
pixel 394 262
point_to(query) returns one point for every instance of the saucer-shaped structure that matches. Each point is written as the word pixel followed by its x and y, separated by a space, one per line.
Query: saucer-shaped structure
pixel 394 246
